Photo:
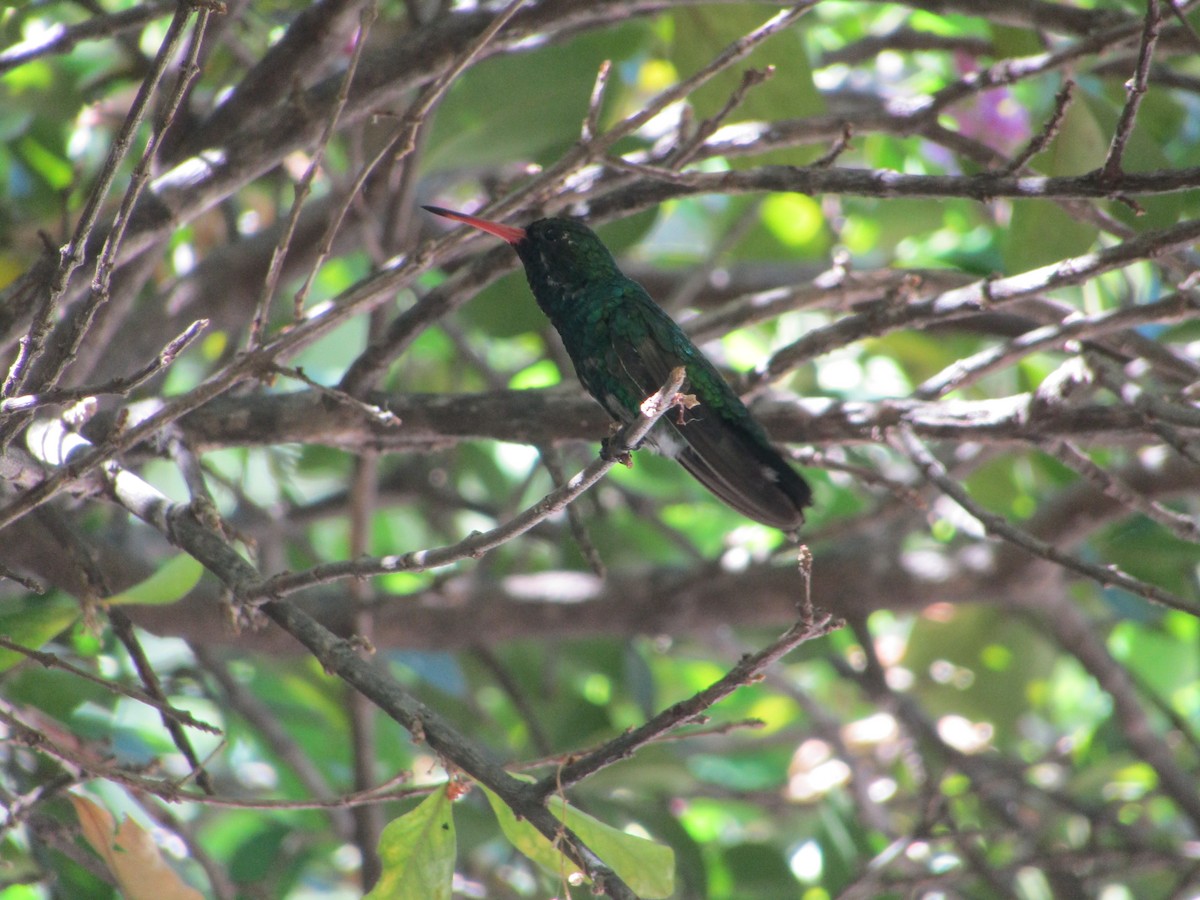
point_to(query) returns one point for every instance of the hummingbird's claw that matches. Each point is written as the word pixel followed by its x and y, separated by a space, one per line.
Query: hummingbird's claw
pixel 608 451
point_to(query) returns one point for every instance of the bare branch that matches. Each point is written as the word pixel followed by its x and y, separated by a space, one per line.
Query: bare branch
pixel 51 661
pixel 935 472
pixel 981 296
pixel 962 372
pixel 1183 527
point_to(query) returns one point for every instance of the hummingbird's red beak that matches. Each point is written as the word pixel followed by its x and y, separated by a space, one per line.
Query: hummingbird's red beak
pixel 505 232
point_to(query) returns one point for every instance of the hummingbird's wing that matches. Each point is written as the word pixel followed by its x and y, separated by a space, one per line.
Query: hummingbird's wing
pixel 717 440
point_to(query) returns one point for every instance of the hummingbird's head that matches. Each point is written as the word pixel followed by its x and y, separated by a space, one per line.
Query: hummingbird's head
pixel 560 255
pixel 564 254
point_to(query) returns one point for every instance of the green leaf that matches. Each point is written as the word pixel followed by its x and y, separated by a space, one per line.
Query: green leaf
pixel 526 838
pixel 417 852
pixel 504 309
pixel 170 583
pixel 950 658
pixel 646 866
pixel 1160 120
pixel 31 621
pixel 758 869
pixel 1164 664
pixel 55 170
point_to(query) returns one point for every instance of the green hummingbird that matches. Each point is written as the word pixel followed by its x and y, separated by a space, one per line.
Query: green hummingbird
pixel 624 346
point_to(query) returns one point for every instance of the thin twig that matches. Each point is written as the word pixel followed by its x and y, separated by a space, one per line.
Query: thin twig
pixel 1183 527
pixel 1041 140
pixel 687 710
pixel 935 473
pixel 665 184
pixel 50 661
pixel 548 183
pixel 405 141
pixel 840 146
pixel 684 150
pixel 984 295
pixel 1160 415
pixel 341 657
pixel 1188 28
pixel 61 38
pixel 378 414
pixel 1059 616
pixel 123 629
pixel 30 584
pixel 368 821
pixel 591 122
pixel 516 695
pixel 552 460
pixel 1136 89
pixel 963 372
pixel 267 726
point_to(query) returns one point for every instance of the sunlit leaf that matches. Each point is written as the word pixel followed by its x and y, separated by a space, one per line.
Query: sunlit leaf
pixel 647 867
pixel 53 168
pixel 417 851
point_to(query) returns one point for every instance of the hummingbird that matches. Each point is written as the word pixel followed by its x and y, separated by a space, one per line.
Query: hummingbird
pixel 624 346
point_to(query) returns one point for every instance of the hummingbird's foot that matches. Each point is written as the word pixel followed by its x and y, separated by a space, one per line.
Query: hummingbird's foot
pixel 682 403
pixel 618 454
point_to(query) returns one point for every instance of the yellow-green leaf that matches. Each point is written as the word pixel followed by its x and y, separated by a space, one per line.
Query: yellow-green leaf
pixel 170 583
pixel 32 620
pixel 528 839
pixel 417 851
pixel 646 866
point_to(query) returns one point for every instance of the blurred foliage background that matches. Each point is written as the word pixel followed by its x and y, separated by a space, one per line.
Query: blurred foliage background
pixel 1013 706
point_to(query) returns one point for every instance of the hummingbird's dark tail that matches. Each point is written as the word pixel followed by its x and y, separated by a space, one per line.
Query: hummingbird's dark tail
pixel 744 471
